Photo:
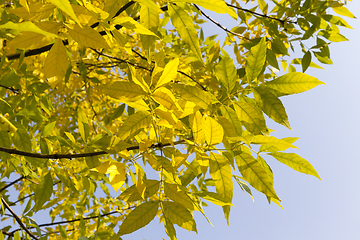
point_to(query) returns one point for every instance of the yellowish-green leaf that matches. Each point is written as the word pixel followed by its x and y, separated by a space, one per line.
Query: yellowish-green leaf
pixel 38 11
pixel 150 20
pixel 57 61
pixel 179 215
pixel 220 171
pixel 194 94
pixel 169 229
pixel 341 10
pixel 271 105
pixel 244 186
pixel 185 27
pixel 169 73
pixel 256 60
pixel 279 144
pixel 293 83
pixel 6 125
pixel 65 6
pixel 135 122
pixel 228 128
pixel 213 131
pixel 141 216
pixel 218 6
pixel 43 191
pixel 88 37
pixel 112 6
pixel 255 174
pixel 172 191
pixel 130 23
pixel 124 91
pixel 26 27
pixel 214 198
pixel 230 115
pixel 165 97
pixel 225 71
pixel 251 118
pixel 150 4
pixel 138 79
pixel 295 162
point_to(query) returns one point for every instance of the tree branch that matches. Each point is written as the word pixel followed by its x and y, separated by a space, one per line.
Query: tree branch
pixel 219 25
pixel 79 155
pixel 18 220
pixel 259 14
pixel 12 183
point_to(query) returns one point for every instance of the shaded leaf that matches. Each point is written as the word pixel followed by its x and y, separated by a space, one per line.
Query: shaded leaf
pixel 256 60
pixel 179 215
pixel 43 191
pixel 135 122
pixel 139 217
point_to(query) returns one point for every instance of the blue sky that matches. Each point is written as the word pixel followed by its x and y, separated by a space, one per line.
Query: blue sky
pixel 327 121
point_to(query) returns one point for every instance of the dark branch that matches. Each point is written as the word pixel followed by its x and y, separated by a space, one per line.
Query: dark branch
pixel 18 220
pixel 12 183
pixel 260 15
pixel 219 25
pixel 14 90
pixel 77 155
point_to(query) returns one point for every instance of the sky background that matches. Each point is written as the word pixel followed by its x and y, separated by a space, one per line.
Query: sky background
pixel 326 119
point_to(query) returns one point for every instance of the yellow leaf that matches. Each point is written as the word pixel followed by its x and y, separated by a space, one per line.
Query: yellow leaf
pixel 179 215
pixel 140 185
pixel 65 6
pixel 25 4
pixel 145 144
pixel 57 61
pixel 88 37
pixel 150 4
pixel 165 97
pixel 174 193
pixel 135 122
pixel 169 73
pixel 213 131
pixel 130 23
pixel 116 173
pixel 6 125
pixel 218 6
pixel 124 91
pixel 196 124
pixel 138 79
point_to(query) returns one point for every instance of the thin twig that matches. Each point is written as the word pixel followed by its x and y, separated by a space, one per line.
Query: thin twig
pixel 14 90
pixel 260 15
pixel 12 183
pixel 18 220
pixel 77 155
pixel 219 25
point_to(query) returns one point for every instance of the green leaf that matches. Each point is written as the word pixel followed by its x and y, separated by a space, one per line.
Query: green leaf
pixel 271 105
pixel 43 191
pixel 293 83
pixel 172 191
pixel 213 131
pixel 220 171
pixel 295 162
pixel 255 174
pixel 135 122
pixel 179 215
pixel 256 60
pixel 48 129
pixel 139 217
pixel 124 91
pixel 185 27
pixel 22 140
pixel 306 60
pixel 218 6
pixel 65 6
pixel 194 94
pixel 225 71
pixel 271 59
pixel 251 118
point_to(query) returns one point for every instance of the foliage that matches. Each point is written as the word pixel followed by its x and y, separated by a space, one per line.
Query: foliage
pixel 116 112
